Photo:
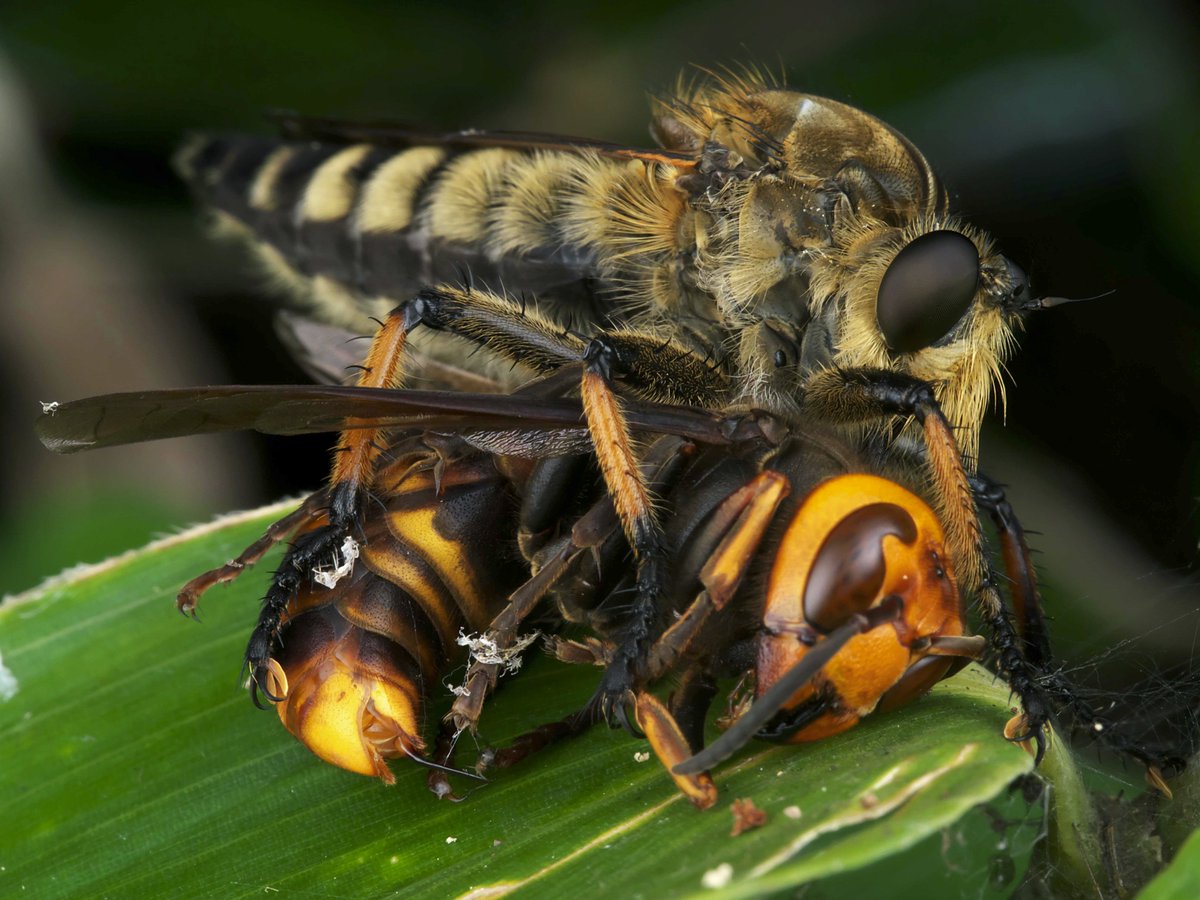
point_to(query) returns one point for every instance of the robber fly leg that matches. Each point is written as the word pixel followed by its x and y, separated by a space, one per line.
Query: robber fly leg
pixel 358 449
pixel 606 359
pixel 635 510
pixel 1018 566
pixel 864 395
pixel 489 320
pixel 1035 644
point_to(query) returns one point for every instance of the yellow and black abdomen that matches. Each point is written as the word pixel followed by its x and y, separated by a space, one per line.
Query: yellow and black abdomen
pixel 354 229
pixel 358 661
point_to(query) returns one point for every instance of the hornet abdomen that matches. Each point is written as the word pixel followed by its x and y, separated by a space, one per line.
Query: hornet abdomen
pixel 357 660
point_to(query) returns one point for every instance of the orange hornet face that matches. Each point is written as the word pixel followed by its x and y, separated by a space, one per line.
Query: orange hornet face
pixel 855 541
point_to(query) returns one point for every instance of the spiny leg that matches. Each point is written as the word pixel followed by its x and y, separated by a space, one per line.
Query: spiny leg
pixel 356 457
pixel 854 396
pixel 1018 566
pixel 642 361
pixel 361 444
pixel 309 550
pixel 358 449
pixel 635 509
pixel 1027 607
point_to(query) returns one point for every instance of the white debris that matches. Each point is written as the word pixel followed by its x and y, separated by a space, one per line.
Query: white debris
pixel 717 878
pixel 792 812
pixel 8 682
pixel 343 564
pixel 484 650
pixel 451 840
pixel 50 407
pixel 641 757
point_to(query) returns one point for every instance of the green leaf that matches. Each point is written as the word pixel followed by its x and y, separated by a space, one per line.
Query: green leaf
pixel 132 764
pixel 1181 879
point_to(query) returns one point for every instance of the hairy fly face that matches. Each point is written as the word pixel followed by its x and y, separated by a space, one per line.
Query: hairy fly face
pixel 837 249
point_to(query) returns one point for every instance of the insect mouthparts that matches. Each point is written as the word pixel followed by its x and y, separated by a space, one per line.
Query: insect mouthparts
pixel 1051 302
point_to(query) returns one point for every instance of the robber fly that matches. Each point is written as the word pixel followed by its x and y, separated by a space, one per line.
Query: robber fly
pixel 779 251
pixel 781 260
pixel 774 235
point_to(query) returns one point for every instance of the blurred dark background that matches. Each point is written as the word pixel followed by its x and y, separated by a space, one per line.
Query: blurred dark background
pixel 1071 130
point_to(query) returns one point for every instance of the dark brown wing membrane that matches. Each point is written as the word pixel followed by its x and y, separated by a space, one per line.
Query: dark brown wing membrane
pixel 331 355
pixel 390 134
pixel 115 419
pixel 327 353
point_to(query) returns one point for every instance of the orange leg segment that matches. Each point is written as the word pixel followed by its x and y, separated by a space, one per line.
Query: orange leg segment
pixel 358 448
pixel 744 516
pixel 671 747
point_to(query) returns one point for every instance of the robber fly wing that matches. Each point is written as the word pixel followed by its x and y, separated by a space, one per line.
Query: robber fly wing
pixel 115 419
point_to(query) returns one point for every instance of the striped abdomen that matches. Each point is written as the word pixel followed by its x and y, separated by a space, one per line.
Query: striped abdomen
pixel 347 224
pixel 360 659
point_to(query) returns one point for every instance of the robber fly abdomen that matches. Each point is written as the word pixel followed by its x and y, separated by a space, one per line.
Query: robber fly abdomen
pixel 358 228
pixel 766 234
